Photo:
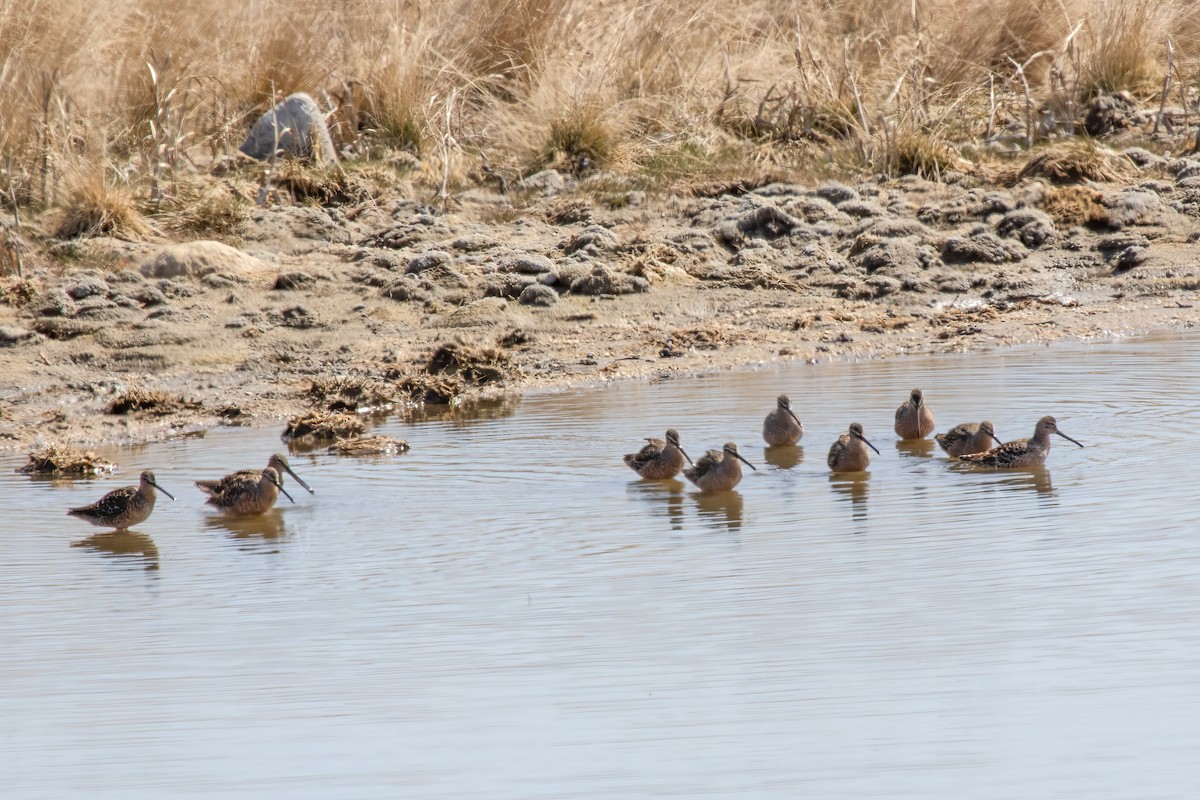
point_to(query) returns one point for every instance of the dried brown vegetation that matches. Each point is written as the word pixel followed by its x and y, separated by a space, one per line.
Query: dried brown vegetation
pixel 139 95
pixel 59 459
pixel 319 425
pixel 137 399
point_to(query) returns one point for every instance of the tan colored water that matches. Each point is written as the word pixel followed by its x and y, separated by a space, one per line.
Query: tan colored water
pixel 506 612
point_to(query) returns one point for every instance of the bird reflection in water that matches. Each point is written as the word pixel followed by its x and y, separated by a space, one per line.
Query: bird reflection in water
pixel 125 545
pixel 1036 479
pixel 784 457
pixel 915 448
pixel 720 508
pixel 852 487
pixel 263 528
pixel 666 496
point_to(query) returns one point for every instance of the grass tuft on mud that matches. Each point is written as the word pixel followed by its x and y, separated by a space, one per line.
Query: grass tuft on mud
pixel 319 425
pixel 351 393
pixel 137 399
pixel 59 459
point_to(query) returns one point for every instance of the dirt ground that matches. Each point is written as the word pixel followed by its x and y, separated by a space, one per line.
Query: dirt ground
pixel 357 305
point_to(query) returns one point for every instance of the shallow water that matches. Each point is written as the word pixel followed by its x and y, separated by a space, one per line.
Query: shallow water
pixel 506 612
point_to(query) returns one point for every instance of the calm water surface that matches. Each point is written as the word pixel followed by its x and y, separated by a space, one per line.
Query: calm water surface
pixel 506 612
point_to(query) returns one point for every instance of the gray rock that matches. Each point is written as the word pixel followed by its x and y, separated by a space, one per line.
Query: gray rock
pixel 982 247
pixel 404 289
pixel 11 336
pixel 593 238
pixel 767 221
pixel 88 287
pixel 1132 208
pixel 296 127
pixel 548 182
pixel 601 281
pixel 507 284
pixel 1032 227
pixel 286 281
pixel 527 264
pixel 196 259
pixel 535 294
pixel 149 296
pixel 426 261
pixel 1130 257
pixel 836 193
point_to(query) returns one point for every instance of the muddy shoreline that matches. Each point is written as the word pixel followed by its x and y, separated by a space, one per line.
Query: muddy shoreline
pixel 333 308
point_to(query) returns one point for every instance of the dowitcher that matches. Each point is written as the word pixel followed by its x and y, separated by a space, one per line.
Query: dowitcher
pixel 1022 452
pixel 277 462
pixel 963 440
pixel 782 428
pixel 123 507
pixel 914 420
pixel 247 495
pixel 718 470
pixel 659 460
pixel 849 453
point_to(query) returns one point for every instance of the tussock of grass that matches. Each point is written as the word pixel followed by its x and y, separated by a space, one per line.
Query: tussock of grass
pixel 137 399
pixel 318 425
pixel 475 365
pixel 424 389
pixel 1072 163
pixel 58 459
pixel 97 208
pixel 351 393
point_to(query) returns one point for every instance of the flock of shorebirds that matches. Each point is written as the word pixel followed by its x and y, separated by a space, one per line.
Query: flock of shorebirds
pixel 721 470
pixel 243 493
pixel 252 492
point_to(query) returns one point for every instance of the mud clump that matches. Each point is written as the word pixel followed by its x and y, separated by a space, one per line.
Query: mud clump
pixel 151 401
pixel 319 425
pixel 57 459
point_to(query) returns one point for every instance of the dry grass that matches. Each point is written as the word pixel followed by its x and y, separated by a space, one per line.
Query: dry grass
pixel 321 425
pixel 351 393
pixel 57 459
pixel 137 399
pixel 144 93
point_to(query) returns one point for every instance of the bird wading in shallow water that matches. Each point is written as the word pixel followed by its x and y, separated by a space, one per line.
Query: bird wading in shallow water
pixel 718 470
pixel 914 420
pixel 849 453
pixel 782 428
pixel 963 440
pixel 1021 453
pixel 277 462
pixel 124 507
pixel 659 460
pixel 247 494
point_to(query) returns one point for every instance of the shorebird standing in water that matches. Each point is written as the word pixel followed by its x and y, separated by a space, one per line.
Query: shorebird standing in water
pixel 849 453
pixel 246 494
pixel 123 507
pixel 659 460
pixel 914 420
pixel 782 428
pixel 718 470
pixel 1022 452
pixel 963 440
pixel 277 462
